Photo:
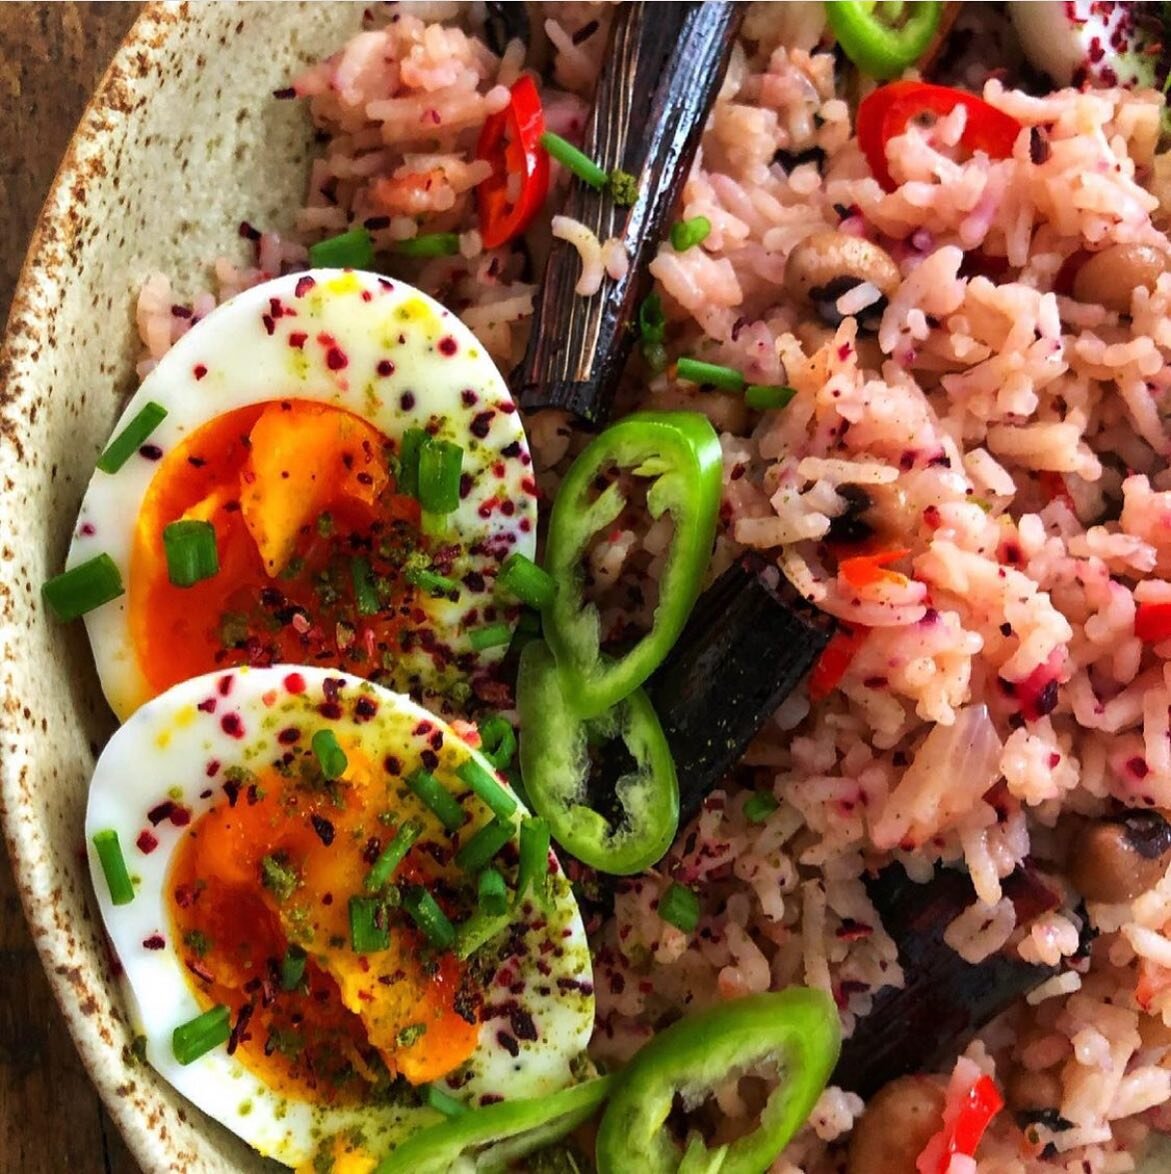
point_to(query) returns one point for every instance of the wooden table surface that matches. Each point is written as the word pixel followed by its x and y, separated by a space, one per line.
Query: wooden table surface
pixel 51 57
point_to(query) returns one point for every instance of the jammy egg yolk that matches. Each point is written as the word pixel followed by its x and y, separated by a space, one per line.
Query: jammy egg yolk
pixel 306 519
pixel 260 890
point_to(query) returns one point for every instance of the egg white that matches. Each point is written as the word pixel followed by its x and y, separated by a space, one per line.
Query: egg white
pixel 241 354
pixel 166 751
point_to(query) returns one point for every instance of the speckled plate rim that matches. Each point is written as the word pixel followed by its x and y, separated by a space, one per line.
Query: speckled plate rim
pixel 121 88
pixel 42 826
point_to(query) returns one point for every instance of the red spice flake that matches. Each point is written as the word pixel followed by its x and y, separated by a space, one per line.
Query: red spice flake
pixel 147 842
pixel 199 371
pixel 231 724
pixel 385 368
pixel 186 895
pixel 288 736
pixel 269 324
pixel 156 941
pixel 391 765
pixel 213 768
pixel 298 339
pixel 365 708
pixel 448 346
pixel 330 710
pixel 207 705
pixel 335 359
pixel 1138 767
pixel 295 683
pixel 323 828
pixel 224 685
pixel 423 728
pixel 304 285
pixel 481 424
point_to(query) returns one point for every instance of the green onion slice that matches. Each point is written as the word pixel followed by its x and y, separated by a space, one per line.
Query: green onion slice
pixel 478 931
pixel 392 855
pixel 709 374
pixel 534 860
pixel 131 438
pixel 758 807
pixel 480 849
pixel 440 462
pixel 329 754
pixel 435 1098
pixel 438 799
pixel 114 866
pixel 764 398
pixel 524 580
pixel 433 583
pixel 679 907
pixel 488 788
pixel 365 593
pixel 498 741
pixel 491 894
pixel 408 461
pixel 348 250
pixel 293 968
pixel 197 1037
pixel 425 913
pixel 490 636
pixel 367 936
pixel 686 234
pixel 83 588
pixel 190 546
pixel 431 244
pixel 574 160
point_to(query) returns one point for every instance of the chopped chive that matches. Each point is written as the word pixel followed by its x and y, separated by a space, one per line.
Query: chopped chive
pixel 408 461
pixel 348 250
pixel 431 244
pixel 329 754
pixel 492 636
pixel 711 374
pixel 760 806
pixel 534 860
pixel 524 580
pixel 438 799
pixel 425 913
pixel 84 587
pixel 765 398
pixel 686 234
pixel 114 866
pixel 366 935
pixel 131 438
pixel 392 855
pixel 491 894
pixel 433 582
pixel 478 930
pixel 476 853
pixel 489 790
pixel 652 324
pixel 190 547
pixel 365 593
pixel 498 741
pixel 197 1037
pixel 293 968
pixel 435 1098
pixel 679 907
pixel 576 161
pixel 439 475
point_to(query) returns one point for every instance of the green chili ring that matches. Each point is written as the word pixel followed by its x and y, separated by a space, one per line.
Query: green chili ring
pixel 554 761
pixel 488 1139
pixel 879 49
pixel 681 452
pixel 797 1030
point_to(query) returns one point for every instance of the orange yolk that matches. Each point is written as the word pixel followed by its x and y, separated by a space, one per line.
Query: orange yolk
pixel 278 866
pixel 297 492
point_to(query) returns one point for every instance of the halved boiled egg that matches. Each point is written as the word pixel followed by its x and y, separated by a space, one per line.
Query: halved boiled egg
pixel 328 469
pixel 306 904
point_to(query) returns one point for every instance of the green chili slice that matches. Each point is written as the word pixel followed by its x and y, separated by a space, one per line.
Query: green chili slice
pixel 491 1138
pixel 431 244
pixel 680 453
pixel 555 765
pixel 348 250
pixel 793 1033
pixel 881 47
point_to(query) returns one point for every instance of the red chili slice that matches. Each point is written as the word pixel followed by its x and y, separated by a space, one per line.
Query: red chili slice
pixel 889 110
pixel 982 1102
pixel 515 191
pixel 1152 622
pixel 831 666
